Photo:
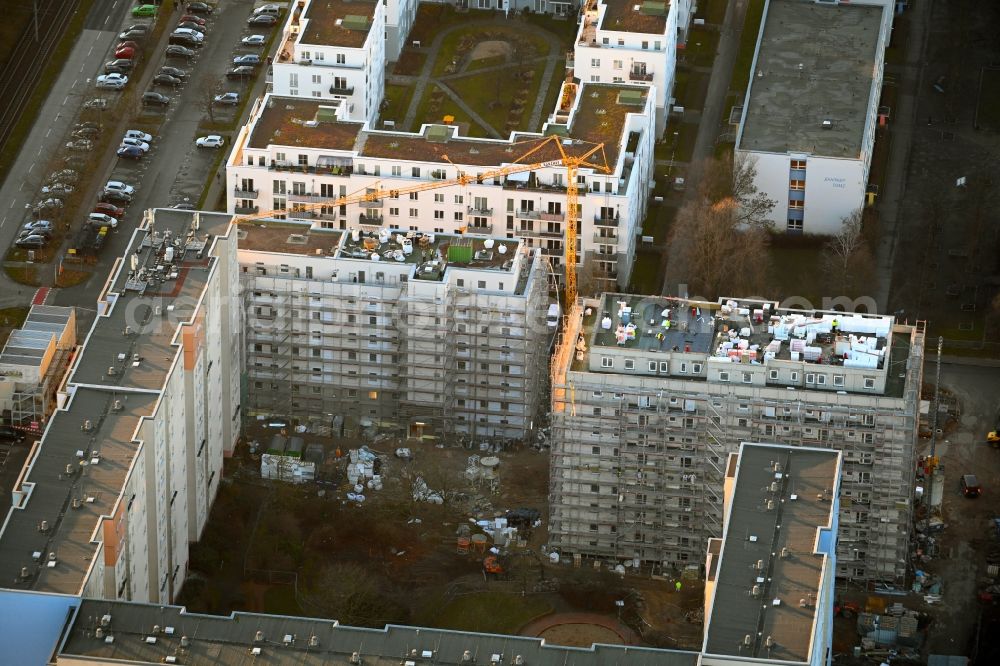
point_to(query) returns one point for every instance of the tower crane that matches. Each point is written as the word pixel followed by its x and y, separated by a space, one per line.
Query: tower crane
pixel 562 157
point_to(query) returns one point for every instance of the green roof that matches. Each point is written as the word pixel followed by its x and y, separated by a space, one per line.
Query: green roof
pixel 438 133
pixel 355 22
pixel 650 8
pixel 557 130
pixel 631 98
pixel 326 114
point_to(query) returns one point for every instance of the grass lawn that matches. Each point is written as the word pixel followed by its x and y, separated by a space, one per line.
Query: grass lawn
pixel 397 102
pixel 491 612
pixel 896 50
pixel 17 19
pixel 13 316
pixel 483 63
pixel 551 99
pixel 280 600
pixel 481 91
pixel 988 104
pixel 797 272
pixel 410 63
pixel 447 107
pixel 701 45
pixel 690 89
pixel 24 274
pixel 679 147
pixel 713 11
pixel 647 274
pixel 564 29
pixel 450 44
pixel 748 44
pixel 432 18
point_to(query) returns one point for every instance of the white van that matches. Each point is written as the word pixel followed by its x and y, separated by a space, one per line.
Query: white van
pixel 273 10
pixel 552 317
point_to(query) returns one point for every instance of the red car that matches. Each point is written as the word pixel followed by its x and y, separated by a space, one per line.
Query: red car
pixel 192 19
pixel 131 45
pixel 109 209
pixel 126 52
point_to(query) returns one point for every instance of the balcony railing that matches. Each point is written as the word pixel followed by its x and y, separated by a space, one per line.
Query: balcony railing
pixel 472 210
pixel 305 168
pixel 307 197
pixel 534 186
pixel 529 214
pixel 602 221
pixel 553 217
pixel 480 229
pixel 598 238
pixel 245 194
pixel 370 219
pixel 246 210
pixel 337 90
pixel 640 76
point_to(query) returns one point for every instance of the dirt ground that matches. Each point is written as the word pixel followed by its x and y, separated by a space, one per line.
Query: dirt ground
pixel 580 635
pixel 306 549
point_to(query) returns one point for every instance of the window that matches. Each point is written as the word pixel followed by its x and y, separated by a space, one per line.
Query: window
pixel 869 382
pixel 797 185
pixel 684 367
pixel 617 64
pixel 772 374
pixel 397 170
pixel 341 59
pixel 796 204
pixel 799 165
pixel 723 376
pixel 414 212
pixel 821 379
pixel 794 377
pixel 415 173
pixel 595 62
pixel 393 212
pixel 439 215
pixel 696 368
pixel 810 378
pixel 652 366
pixel 607 362
pixel 664 366
pixel 317 78
pixel 747 377
pixel 629 364
pixel 438 197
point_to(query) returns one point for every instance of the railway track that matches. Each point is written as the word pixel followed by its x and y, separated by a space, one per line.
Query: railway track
pixel 19 78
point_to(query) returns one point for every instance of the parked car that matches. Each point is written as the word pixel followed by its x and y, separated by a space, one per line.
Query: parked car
pixel 125 52
pixel 127 44
pixel 197 27
pixel 102 219
pixel 112 81
pixel 248 59
pixel 183 206
pixel 109 209
pixel 37 224
pixel 136 134
pixel 96 103
pixel 198 8
pixel 130 152
pixel 80 145
pixel 52 203
pixel 85 133
pixel 166 80
pixel 227 99
pixel 141 145
pixel 262 19
pixel 44 232
pixel 118 66
pixel 241 72
pixel 132 34
pixel 115 196
pixel 87 125
pixel 76 161
pixel 144 10
pixel 210 141
pixel 119 186
pixel 32 241
pixel 173 71
pixel 970 486
pixel 194 35
pixel 193 19
pixel 155 99
pixel 64 176
pixel 254 40
pixel 178 51
pixel 273 10
pixel 185 41
pixel 58 188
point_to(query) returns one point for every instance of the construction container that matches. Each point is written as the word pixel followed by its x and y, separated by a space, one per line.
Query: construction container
pixel 460 251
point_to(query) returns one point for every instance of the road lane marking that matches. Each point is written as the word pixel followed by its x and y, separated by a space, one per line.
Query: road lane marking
pixel 48 132
pixel 29 171
pixel 66 99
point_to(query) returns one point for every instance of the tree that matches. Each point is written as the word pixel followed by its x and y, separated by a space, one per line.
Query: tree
pixel 735 177
pixel 847 259
pixel 206 96
pixel 349 593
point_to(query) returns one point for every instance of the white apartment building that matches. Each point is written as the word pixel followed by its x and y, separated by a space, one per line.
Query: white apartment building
pixel 128 466
pixel 334 50
pixel 399 18
pixel 769 584
pixel 633 42
pixel 294 155
pixel 811 108
pixel 651 394
pixel 429 334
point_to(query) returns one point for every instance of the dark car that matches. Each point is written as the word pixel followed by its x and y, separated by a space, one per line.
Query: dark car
pixel 44 232
pixel 155 99
pixel 130 152
pixel 132 35
pixel 193 19
pixel 178 51
pixel 241 72
pixel 198 8
pixel 85 133
pixel 249 59
pixel 87 125
pixel 970 486
pixel 119 65
pixel 194 26
pixel 6 432
pixel 227 99
pixel 116 196
pixel 109 209
pixel 166 80
pixel 32 241
pixel 173 71
pixel 262 19
pixel 184 40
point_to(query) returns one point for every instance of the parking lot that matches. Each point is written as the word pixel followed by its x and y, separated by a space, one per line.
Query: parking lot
pixel 172 169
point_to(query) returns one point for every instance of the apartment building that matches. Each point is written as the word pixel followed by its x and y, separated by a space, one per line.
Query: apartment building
pixel 812 107
pixel 295 157
pixel 769 584
pixel 334 50
pixel 128 465
pixel 399 18
pixel 32 365
pixel 651 394
pixel 620 41
pixel 427 333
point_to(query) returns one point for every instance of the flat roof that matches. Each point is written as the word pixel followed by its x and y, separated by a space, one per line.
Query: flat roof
pixel 94 433
pixel 338 22
pixel 27 345
pixel 599 118
pixel 225 641
pixel 641 16
pixel 766 602
pixel 287 238
pixel 815 62
pixel 291 121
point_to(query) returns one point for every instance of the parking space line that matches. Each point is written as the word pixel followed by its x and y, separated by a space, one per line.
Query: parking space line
pixel 29 170
pixel 48 132
pixel 66 99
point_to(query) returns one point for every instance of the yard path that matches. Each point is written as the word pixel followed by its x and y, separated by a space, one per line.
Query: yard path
pixel 425 78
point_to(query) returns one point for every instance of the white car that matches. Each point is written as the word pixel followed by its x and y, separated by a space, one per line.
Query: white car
pixel 103 220
pixel 141 136
pixel 210 141
pixel 119 186
pixel 254 40
pixel 112 81
pixel 141 145
pixel 189 33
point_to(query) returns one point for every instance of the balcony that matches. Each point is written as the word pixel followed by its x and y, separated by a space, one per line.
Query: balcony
pixel 307 197
pixel 331 170
pixel 639 75
pixel 370 219
pixel 486 212
pixel 376 203
pixel 246 210
pixel 245 194
pixel 345 90
pixel 532 185
pixel 612 239
pixel 479 229
pixel 553 217
pixel 529 214
pixel 602 221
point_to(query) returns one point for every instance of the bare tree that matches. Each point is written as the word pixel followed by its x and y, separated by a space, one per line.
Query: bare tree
pixel 717 255
pixel 755 207
pixel 847 259
pixel 206 97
